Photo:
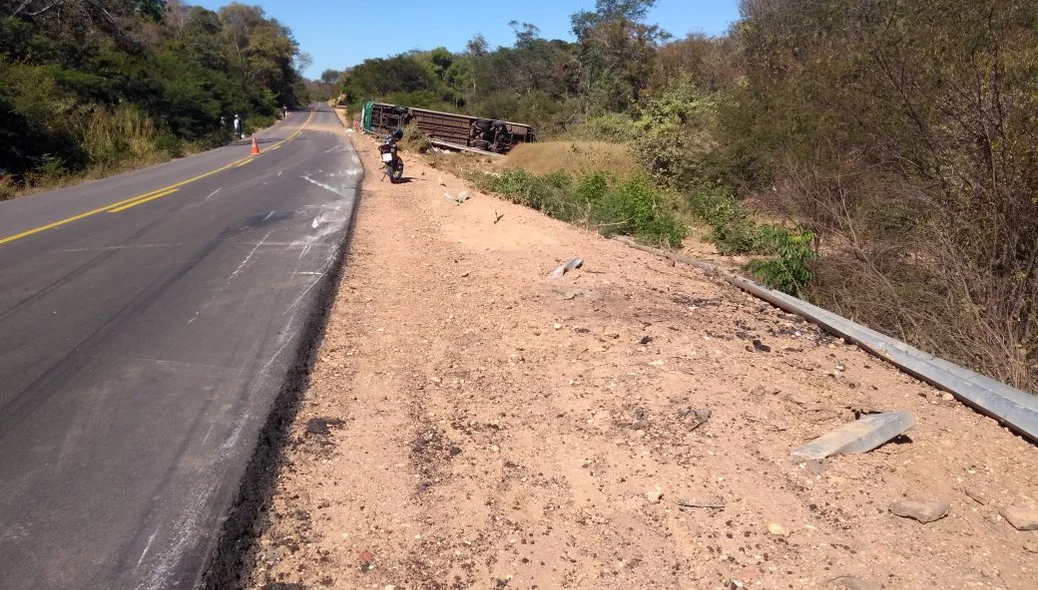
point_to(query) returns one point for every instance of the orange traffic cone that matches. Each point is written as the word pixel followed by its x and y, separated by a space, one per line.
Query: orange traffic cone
pixel 255 146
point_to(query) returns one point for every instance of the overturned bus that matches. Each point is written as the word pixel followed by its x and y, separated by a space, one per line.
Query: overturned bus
pixel 447 130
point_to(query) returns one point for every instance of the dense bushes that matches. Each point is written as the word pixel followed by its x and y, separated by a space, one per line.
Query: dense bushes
pixel 896 141
pixel 102 85
pixel 627 207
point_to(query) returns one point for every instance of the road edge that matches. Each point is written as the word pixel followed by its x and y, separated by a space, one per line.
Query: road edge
pixel 234 550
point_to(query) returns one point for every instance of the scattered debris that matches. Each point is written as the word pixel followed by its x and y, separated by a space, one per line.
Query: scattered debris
pixel 565 268
pixel 1023 518
pixel 920 510
pixel 319 426
pixel 695 417
pixel 365 561
pixel 860 436
pixel 699 504
pixel 976 496
pixel 497 216
pixel 458 199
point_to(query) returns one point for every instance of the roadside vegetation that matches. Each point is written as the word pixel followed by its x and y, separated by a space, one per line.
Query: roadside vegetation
pixel 876 158
pixel 92 87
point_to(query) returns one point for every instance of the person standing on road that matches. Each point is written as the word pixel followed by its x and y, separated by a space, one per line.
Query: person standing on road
pixel 284 112
pixel 237 127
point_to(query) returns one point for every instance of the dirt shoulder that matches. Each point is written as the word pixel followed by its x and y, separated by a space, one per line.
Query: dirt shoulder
pixel 474 423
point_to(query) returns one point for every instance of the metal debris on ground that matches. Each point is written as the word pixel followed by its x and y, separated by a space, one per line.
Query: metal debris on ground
pixel 497 216
pixel 860 436
pixel 699 504
pixel 571 265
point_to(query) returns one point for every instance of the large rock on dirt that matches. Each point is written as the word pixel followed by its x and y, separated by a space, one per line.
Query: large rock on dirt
pixel 923 511
pixel 1022 517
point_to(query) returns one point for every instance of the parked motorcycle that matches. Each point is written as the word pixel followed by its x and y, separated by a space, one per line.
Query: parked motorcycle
pixel 391 158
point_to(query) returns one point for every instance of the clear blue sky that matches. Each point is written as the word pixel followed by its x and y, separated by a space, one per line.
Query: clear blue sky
pixel 341 34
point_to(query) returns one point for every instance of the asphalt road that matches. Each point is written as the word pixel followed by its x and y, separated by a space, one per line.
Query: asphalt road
pixel 143 343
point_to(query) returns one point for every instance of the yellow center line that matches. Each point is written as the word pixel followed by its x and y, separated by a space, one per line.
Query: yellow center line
pixel 109 206
pixel 148 196
pixel 296 133
pixel 144 200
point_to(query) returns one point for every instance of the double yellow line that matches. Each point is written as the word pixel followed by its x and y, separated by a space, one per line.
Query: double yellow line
pixel 146 197
pixel 297 132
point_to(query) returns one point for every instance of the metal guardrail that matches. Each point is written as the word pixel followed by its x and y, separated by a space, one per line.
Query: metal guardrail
pixel 1016 409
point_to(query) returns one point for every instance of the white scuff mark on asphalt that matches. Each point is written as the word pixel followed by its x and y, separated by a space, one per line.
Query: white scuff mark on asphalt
pixel 232 439
pixel 279 172
pixel 210 431
pixel 241 266
pixel 212 194
pixel 338 191
pixel 184 532
pixel 151 540
pixel 317 221
pixel 291 306
pixel 269 215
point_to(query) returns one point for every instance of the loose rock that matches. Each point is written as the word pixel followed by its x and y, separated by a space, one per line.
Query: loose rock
pixel 923 511
pixel 654 496
pixel 1023 518
pixel 777 530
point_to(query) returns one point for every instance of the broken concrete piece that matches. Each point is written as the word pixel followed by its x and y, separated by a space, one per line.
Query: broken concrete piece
pixel 571 265
pixel 922 511
pixel 857 437
pixel 1023 518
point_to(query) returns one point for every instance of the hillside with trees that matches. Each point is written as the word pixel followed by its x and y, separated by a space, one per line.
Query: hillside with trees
pixel 891 146
pixel 96 86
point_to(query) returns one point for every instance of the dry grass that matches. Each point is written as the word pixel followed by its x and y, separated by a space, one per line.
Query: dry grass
pixel 571 157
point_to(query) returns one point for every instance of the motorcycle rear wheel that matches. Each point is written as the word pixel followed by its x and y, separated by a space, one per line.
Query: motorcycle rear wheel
pixel 395 171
